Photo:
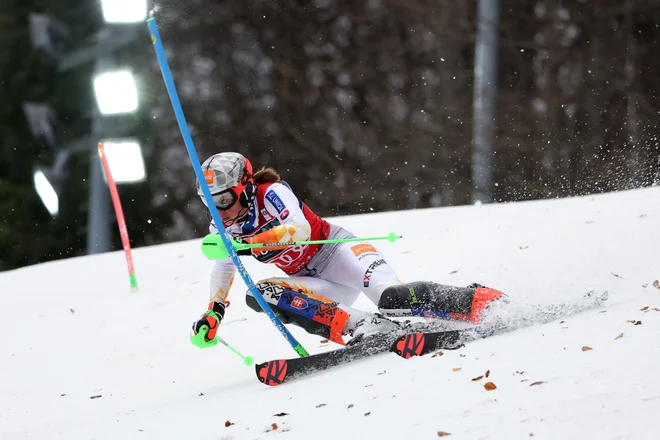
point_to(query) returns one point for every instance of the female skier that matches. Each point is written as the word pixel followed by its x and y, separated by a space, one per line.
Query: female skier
pixel 323 281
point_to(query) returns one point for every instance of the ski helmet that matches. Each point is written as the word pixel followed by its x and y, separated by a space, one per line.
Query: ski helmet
pixel 229 177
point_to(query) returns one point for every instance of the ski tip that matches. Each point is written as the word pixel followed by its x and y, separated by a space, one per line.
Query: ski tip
pixel 272 373
pixel 409 345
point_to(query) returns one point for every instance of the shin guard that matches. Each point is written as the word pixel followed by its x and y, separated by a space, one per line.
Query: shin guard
pixel 315 314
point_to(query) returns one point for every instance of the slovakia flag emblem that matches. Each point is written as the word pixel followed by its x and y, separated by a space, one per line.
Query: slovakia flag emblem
pixel 298 303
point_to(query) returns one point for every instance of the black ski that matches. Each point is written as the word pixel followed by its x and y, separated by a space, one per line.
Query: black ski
pixel 278 371
pixel 421 343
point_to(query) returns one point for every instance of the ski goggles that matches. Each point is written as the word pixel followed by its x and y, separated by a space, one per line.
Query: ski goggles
pixel 225 199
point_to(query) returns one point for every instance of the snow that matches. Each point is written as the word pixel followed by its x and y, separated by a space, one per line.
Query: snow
pixel 73 330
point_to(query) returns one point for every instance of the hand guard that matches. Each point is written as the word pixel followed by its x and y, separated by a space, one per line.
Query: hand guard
pixel 235 241
pixel 205 328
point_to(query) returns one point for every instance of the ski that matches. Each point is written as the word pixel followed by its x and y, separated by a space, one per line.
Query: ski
pixel 421 343
pixel 278 371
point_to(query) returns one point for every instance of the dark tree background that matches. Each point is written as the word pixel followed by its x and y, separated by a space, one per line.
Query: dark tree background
pixel 367 106
pixel 28 234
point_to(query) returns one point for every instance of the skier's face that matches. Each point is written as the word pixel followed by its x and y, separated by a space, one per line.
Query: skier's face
pixel 233 214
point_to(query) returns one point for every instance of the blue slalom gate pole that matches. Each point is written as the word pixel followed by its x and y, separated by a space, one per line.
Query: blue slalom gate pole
pixel 194 159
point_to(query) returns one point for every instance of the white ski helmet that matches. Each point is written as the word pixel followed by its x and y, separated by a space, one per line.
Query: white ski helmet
pixel 229 177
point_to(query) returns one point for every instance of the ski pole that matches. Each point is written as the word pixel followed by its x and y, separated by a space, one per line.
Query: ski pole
pixel 194 160
pixel 247 360
pixel 200 341
pixel 214 249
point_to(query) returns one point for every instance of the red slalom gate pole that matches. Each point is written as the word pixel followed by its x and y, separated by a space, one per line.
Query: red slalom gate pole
pixel 120 219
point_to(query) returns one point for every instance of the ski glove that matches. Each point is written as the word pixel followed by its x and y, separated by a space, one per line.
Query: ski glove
pixel 211 320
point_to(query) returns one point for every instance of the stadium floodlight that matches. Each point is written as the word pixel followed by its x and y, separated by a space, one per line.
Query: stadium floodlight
pixel 44 184
pixel 48 182
pixel 116 92
pixel 125 160
pixel 124 11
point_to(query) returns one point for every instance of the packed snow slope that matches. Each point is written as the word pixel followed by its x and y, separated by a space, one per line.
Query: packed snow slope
pixel 83 358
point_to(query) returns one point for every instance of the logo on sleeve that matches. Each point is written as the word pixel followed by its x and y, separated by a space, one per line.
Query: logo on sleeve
pixel 284 214
pixel 276 201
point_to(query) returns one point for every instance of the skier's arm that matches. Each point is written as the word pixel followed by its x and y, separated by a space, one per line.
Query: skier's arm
pixel 280 202
pixel 222 277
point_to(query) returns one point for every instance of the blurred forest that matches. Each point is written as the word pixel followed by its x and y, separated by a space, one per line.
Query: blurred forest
pixel 368 106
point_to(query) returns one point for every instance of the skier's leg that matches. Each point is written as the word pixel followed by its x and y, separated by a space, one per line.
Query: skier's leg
pixel 429 299
pixel 362 267
pixel 296 300
pixel 359 267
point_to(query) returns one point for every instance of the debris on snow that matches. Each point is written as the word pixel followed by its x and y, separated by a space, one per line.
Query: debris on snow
pixel 490 386
pixel 228 424
pixel 619 337
pixel 586 348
